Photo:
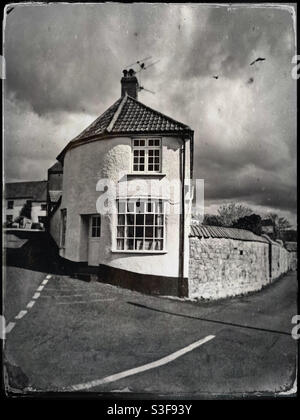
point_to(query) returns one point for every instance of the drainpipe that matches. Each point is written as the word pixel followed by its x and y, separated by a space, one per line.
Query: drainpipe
pixel 181 291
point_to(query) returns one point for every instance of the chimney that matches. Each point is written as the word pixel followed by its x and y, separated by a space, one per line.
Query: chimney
pixel 129 84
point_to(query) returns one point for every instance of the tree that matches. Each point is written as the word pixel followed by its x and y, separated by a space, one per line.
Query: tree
pixel 231 212
pixel 281 224
pixel 252 223
pixel 212 220
pixel 26 210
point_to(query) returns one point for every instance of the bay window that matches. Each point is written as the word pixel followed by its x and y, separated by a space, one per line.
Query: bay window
pixel 141 225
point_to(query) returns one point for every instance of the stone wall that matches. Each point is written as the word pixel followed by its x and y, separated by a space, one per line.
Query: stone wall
pixel 221 267
pixel 292 258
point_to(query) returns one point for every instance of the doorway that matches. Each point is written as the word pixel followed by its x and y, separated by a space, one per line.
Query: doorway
pixel 94 239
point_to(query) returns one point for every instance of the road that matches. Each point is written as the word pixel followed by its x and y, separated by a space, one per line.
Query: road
pixel 77 333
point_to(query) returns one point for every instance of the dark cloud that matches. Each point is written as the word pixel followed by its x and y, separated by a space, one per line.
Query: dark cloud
pixel 64 63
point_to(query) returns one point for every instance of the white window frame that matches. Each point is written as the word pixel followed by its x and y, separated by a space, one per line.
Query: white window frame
pixel 95 227
pixel 146 148
pixel 155 210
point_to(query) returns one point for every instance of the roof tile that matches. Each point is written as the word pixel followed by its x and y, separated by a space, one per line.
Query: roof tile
pixel 201 231
pixel 133 117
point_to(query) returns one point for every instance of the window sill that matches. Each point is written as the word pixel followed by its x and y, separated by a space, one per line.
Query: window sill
pixel 154 174
pixel 132 251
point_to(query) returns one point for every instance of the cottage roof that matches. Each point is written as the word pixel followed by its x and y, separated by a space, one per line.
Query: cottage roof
pixel 128 116
pixel 31 190
pixel 204 231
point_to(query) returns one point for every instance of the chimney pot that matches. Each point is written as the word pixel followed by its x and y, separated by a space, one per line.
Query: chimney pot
pixel 129 84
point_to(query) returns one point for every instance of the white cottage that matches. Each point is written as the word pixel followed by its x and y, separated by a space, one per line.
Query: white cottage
pixel 142 243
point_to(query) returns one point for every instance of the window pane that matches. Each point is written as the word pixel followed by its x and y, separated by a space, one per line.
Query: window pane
pixel 129 231
pixel 140 219
pixel 122 207
pixel 139 232
pixel 121 219
pixel 148 244
pixel 130 206
pixel 150 207
pixel 140 206
pixel 120 232
pixel 158 245
pixel 159 219
pixel 135 167
pixel 130 219
pixel 120 243
pixel 149 219
pixel 138 244
pixel 157 142
pixel 158 206
pixel 158 232
pixel 149 232
pixel 129 243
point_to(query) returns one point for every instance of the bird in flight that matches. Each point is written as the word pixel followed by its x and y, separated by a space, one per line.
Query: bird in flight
pixel 258 59
pixel 215 77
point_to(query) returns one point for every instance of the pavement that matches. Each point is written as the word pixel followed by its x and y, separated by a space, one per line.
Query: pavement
pixel 94 337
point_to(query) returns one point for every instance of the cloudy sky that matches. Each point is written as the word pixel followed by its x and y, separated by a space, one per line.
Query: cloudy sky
pixel 63 69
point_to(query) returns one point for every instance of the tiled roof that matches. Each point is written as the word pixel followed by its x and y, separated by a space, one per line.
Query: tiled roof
pixel 32 190
pixel 291 246
pixel 127 115
pixel 54 196
pixel 201 231
pixel 100 124
pixel 137 117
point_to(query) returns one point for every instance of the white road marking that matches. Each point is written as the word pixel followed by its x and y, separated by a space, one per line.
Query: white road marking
pixel 70 296
pixel 21 314
pixel 9 327
pixel 30 304
pixel 83 301
pixel 143 368
pixel 67 289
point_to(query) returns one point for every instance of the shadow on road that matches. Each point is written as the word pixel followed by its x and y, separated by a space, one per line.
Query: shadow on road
pixel 214 321
pixel 41 253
